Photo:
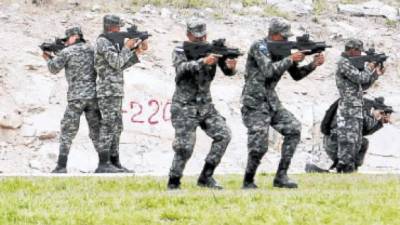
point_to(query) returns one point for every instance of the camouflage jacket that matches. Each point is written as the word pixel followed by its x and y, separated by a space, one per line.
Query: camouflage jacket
pixel 263 74
pixel 370 124
pixel 351 82
pixel 78 61
pixel 110 63
pixel 193 78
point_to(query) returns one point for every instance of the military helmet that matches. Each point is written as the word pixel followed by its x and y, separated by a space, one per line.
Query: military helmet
pixel 111 20
pixel 73 31
pixel 197 27
pixel 353 43
pixel 280 26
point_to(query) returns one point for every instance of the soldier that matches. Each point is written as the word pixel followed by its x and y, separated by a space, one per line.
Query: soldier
pixel 77 59
pixel 373 119
pixel 351 82
pixel 262 108
pixel 110 62
pixel 192 107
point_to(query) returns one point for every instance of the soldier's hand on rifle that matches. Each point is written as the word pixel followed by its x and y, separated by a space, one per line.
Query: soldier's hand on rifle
pixel 378 114
pixel 380 70
pixel 386 118
pixel 231 63
pixel 144 45
pixel 371 66
pixel 211 59
pixel 46 55
pixel 141 47
pixel 319 59
pixel 130 43
pixel 297 57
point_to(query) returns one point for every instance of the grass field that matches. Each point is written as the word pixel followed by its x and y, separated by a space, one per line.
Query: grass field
pixel 321 199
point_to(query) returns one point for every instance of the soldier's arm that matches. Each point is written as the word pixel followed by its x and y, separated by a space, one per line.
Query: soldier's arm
pixel 57 63
pixel 265 64
pixel 298 73
pixel 132 61
pixel 370 124
pixel 364 77
pixel 371 82
pixel 224 68
pixel 182 65
pixel 115 59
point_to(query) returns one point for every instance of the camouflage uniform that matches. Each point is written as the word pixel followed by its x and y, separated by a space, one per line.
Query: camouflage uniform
pixel 370 126
pixel 77 59
pixel 110 63
pixel 261 107
pixel 192 107
pixel 350 82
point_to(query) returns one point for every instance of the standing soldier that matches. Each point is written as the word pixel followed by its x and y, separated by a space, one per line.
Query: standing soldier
pixel 262 107
pixel 110 62
pixel 351 82
pixel 192 107
pixel 77 59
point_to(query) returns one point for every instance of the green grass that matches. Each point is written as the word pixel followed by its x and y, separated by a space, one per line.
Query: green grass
pixel 247 3
pixel 321 199
pixel 391 23
pixel 176 3
pixel 272 11
pixel 320 6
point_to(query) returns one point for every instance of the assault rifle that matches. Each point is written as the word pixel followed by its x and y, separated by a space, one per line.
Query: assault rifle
pixel 370 56
pixel 282 49
pixel 197 50
pixel 55 47
pixel 379 104
pixel 118 38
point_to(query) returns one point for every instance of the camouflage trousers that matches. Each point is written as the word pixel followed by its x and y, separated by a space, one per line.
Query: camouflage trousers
pixel 331 149
pixel 349 138
pixel 258 123
pixel 71 120
pixel 185 119
pixel 111 123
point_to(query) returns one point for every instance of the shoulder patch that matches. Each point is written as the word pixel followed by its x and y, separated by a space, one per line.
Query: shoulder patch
pixel 179 49
pixel 263 49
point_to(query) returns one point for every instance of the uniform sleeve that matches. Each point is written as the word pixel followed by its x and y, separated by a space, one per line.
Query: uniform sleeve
pixel 265 64
pixel 57 63
pixel 182 65
pixel 115 59
pixel 365 77
pixel 298 73
pixel 132 61
pixel 370 124
pixel 371 81
pixel 224 68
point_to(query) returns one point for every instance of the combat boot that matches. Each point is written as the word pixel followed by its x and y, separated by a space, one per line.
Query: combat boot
pixel 174 183
pixel 105 166
pixel 206 179
pixel 61 164
pixel 115 161
pixel 281 179
pixel 345 168
pixel 248 181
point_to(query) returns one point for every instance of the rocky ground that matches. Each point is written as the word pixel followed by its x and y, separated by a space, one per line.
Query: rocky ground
pixel 33 100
